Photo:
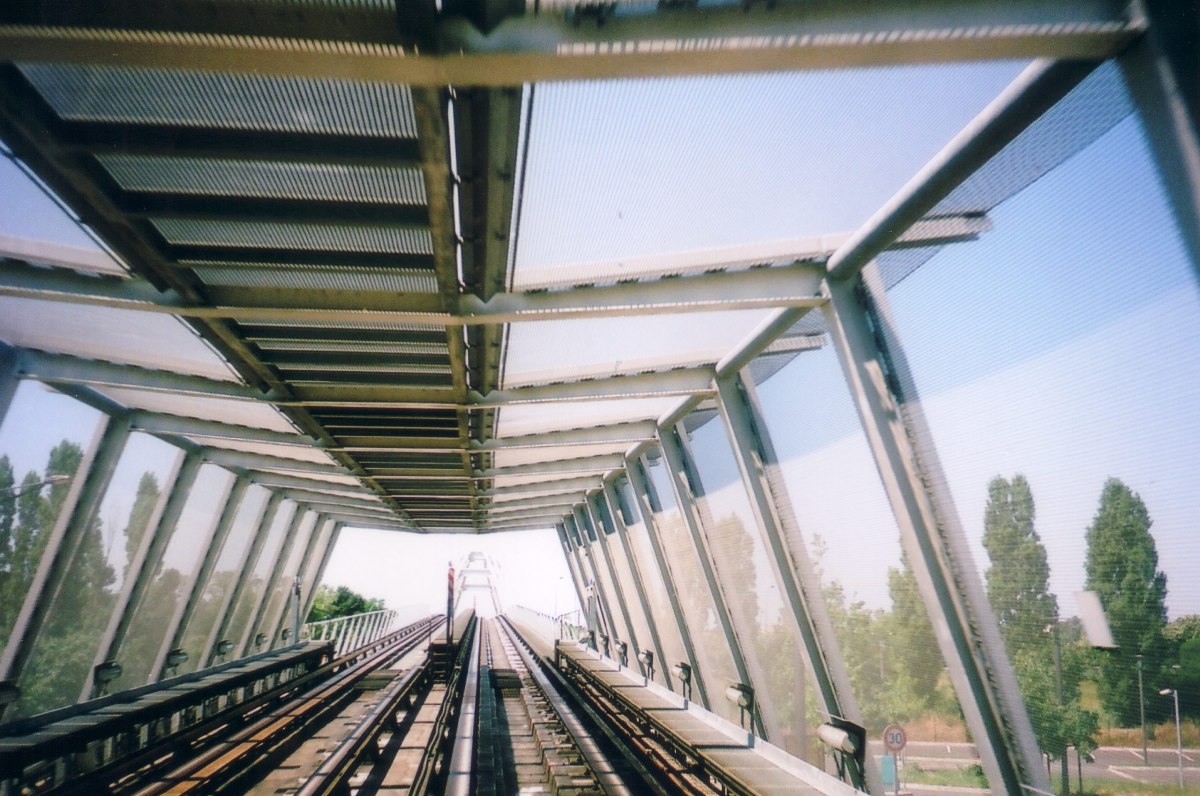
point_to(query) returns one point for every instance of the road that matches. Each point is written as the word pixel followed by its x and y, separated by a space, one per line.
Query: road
pixel 1112 763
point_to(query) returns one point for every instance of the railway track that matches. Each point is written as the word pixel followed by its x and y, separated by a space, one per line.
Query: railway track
pixel 235 755
pixel 532 738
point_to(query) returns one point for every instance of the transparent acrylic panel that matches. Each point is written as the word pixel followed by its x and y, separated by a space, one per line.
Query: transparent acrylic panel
pixel 1086 366
pixel 181 558
pixel 223 577
pixel 313 566
pixel 534 418
pixel 712 650
pixel 34 226
pixel 282 587
pixel 42 438
pixel 597 347
pixel 624 580
pixel 762 619
pixel 843 520
pixel 148 340
pixel 614 619
pixel 260 572
pixel 643 561
pixel 612 178
pixel 61 660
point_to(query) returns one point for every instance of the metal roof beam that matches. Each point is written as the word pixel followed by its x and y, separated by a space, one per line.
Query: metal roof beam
pixel 531 49
pixel 160 423
pixel 798 285
pixel 583 464
pixel 237 146
pixel 613 432
pixel 270 210
pixel 260 461
pixel 63 368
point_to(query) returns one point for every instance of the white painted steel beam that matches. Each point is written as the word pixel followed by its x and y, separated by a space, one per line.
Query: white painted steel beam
pixel 790 566
pixel 552 47
pixel 614 432
pixel 194 586
pixel 933 540
pixel 684 484
pixel 649 505
pixel 143 564
pixel 583 464
pixel 1162 74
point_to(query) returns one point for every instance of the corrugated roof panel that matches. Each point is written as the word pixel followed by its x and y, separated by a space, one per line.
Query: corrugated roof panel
pixel 231 101
pixel 308 278
pixel 316 237
pixel 277 180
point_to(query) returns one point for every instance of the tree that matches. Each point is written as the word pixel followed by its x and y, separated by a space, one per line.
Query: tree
pixel 1122 567
pixel 144 502
pixel 1018 587
pixel 334 603
pixel 62 657
pixel 1183 637
pixel 1018 580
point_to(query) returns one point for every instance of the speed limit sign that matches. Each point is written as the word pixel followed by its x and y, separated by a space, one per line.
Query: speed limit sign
pixel 894 738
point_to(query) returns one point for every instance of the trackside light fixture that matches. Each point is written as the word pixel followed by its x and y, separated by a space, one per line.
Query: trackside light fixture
pixel 848 741
pixel 647 660
pixel 683 672
pixel 742 695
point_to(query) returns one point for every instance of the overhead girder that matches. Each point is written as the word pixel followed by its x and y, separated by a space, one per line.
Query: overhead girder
pixel 722 286
pixel 546 47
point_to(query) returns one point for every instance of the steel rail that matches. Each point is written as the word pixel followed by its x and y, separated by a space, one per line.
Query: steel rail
pixel 225 762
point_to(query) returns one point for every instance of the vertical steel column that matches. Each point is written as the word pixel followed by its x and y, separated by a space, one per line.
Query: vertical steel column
pixel 229 605
pixel 601 523
pixel 610 501
pixel 591 588
pixel 1162 72
pixel 285 550
pixel 288 608
pixel 583 523
pixel 184 611
pixel 566 546
pixel 159 526
pixel 576 561
pixel 689 490
pixel 649 505
pixel 9 380
pixel 932 536
pixel 793 571
pixel 320 573
pixel 87 489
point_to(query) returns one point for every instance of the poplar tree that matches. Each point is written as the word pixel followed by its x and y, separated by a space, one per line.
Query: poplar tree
pixel 1018 587
pixel 1018 580
pixel 1122 567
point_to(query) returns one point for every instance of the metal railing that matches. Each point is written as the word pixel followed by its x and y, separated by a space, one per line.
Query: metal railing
pixel 549 627
pixel 348 633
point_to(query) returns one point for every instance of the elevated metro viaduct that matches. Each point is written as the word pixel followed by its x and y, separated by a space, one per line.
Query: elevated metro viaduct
pixel 317 282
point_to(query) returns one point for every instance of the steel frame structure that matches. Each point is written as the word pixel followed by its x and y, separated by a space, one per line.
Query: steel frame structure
pixel 416 448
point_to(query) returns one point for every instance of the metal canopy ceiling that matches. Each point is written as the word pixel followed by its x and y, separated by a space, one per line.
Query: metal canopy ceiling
pixel 325 191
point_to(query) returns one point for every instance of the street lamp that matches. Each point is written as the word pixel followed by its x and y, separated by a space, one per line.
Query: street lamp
pixel 1178 733
pixel 1142 710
